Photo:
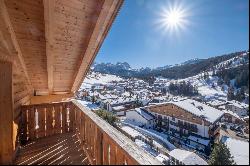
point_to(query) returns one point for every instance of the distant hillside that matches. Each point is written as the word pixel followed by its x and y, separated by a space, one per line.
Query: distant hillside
pixel 183 70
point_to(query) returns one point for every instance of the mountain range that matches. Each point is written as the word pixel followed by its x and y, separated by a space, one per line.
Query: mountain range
pixel 183 70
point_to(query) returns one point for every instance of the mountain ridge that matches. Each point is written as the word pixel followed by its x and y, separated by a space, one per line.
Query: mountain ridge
pixel 185 69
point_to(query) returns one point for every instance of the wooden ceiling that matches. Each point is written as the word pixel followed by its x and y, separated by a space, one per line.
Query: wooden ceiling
pixel 57 40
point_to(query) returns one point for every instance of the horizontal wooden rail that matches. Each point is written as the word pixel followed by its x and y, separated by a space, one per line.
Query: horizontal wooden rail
pixel 102 143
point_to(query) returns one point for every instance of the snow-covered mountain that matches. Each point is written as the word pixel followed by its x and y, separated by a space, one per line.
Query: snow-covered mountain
pixel 234 62
pixel 191 61
pixel 186 69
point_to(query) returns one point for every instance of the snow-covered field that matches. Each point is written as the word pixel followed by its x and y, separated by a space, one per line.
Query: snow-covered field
pixel 98 78
pixel 207 88
pixel 238 149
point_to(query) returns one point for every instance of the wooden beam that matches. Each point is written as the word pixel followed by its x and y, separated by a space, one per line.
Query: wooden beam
pixel 6 113
pixel 49 6
pixel 5 20
pixel 106 17
pixel 50 98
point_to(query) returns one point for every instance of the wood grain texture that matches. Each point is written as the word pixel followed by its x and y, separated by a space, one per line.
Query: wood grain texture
pixel 6 113
pixel 62 149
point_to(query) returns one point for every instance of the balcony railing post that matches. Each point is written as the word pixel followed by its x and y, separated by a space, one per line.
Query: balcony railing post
pixel 23 127
pixel 31 123
pixel 98 146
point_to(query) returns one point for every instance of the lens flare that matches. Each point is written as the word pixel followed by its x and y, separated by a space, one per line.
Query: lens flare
pixel 172 18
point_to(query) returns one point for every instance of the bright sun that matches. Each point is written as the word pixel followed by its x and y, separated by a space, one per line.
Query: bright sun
pixel 173 19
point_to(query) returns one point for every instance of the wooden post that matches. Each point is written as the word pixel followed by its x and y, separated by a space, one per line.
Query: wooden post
pixel 6 113
pixel 98 146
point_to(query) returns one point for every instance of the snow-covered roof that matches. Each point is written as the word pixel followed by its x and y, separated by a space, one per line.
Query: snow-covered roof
pixel 187 157
pixel 118 108
pixel 232 114
pixel 238 149
pixel 199 109
pixel 238 104
pixel 144 114
pixel 123 100
pixel 216 102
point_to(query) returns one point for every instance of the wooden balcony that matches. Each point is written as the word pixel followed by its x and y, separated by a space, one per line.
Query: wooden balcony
pixel 69 133
pixel 214 131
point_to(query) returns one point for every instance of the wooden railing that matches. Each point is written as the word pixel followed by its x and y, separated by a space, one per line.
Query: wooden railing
pixel 102 143
pixel 43 120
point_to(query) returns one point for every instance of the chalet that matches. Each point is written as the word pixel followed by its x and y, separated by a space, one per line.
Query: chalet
pixel 237 107
pixel 46 50
pixel 232 117
pixel 140 117
pixel 119 110
pixel 128 103
pixel 187 117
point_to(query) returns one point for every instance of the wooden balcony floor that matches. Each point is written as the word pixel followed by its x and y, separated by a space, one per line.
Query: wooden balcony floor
pixel 58 149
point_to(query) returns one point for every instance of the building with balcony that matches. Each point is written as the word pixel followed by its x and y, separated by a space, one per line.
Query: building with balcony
pixel 185 118
pixel 46 49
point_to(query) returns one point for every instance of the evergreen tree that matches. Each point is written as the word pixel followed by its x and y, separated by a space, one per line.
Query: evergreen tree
pixel 93 99
pixel 107 116
pixel 221 155
pixel 230 93
pixel 242 93
pixel 238 96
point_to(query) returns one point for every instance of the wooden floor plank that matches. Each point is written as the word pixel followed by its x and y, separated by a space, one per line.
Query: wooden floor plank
pixel 63 149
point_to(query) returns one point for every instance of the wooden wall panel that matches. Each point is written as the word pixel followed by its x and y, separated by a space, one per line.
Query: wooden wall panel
pixel 6 113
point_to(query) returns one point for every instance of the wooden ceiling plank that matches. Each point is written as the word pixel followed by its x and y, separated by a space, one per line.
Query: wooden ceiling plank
pixel 109 10
pixel 49 6
pixel 6 20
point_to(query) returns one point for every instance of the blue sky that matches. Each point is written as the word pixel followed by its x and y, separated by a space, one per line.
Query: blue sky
pixel 214 27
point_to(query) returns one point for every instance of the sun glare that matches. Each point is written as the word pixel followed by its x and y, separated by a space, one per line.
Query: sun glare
pixel 172 18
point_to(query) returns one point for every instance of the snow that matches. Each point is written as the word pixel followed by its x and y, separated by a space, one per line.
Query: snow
pixel 162 158
pixel 232 113
pixel 235 61
pixel 199 140
pixel 187 157
pixel 238 104
pixel 118 108
pixel 146 147
pixel 238 149
pixel 134 133
pixel 199 109
pixel 89 105
pixel 159 137
pixel 98 78
pixel 144 114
